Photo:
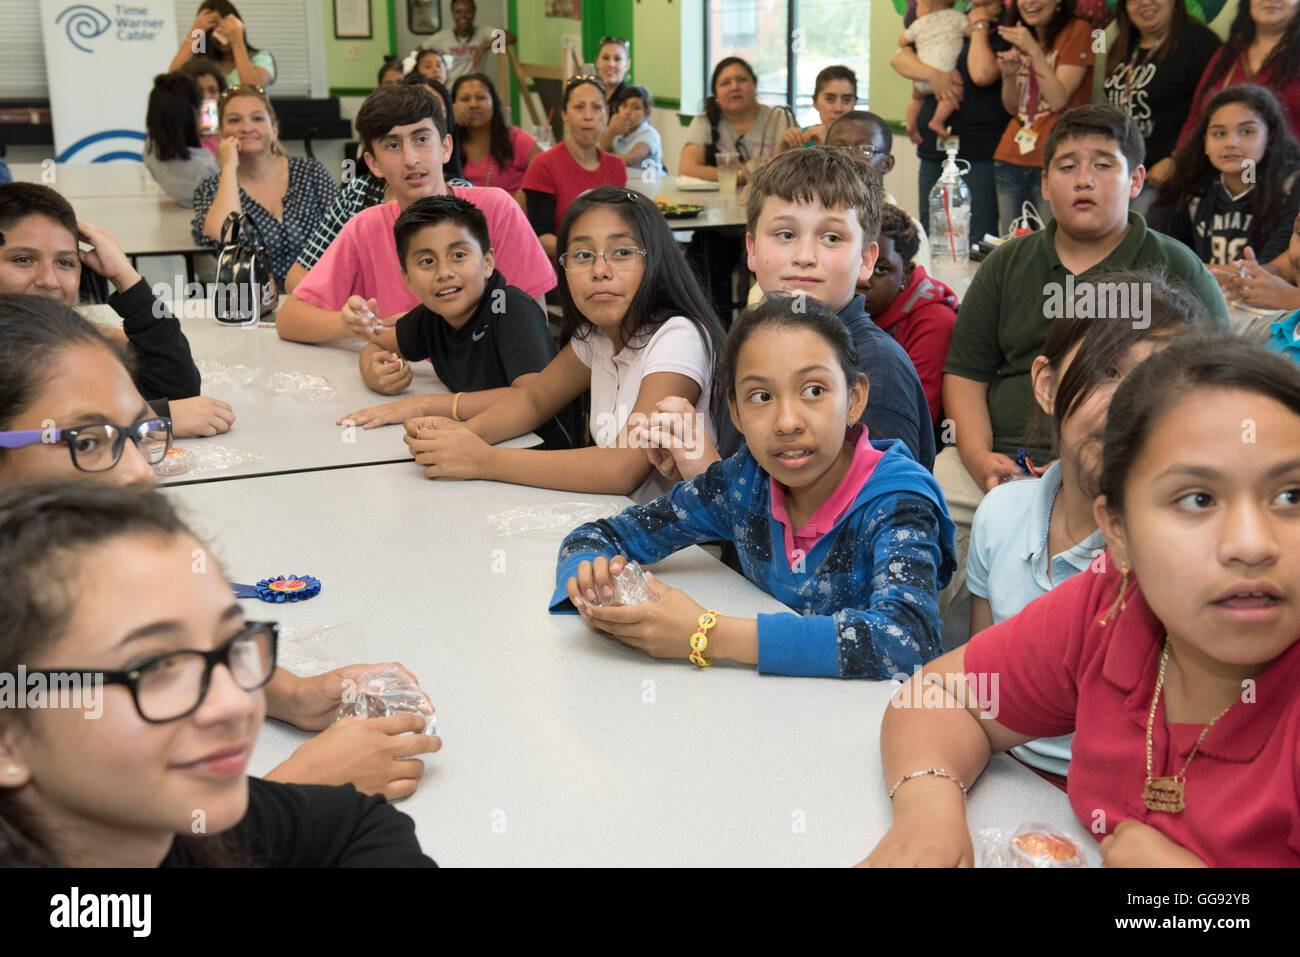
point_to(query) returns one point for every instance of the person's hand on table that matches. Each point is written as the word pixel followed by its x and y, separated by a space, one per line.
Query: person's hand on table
pixel 389 372
pixel 311 702
pixel 1134 844
pixel 390 413
pixel 361 317
pixel 376 755
pixel 675 440
pixel 662 629
pixel 105 256
pixel 200 416
pixel 1248 282
pixel 445 448
pixel 929 830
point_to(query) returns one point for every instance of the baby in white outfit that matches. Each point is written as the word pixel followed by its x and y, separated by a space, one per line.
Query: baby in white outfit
pixel 937 35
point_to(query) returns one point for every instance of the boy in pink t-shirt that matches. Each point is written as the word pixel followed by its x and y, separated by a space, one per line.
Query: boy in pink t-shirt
pixel 357 286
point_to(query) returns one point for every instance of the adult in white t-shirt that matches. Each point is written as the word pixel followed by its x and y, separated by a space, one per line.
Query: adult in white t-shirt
pixel 467 47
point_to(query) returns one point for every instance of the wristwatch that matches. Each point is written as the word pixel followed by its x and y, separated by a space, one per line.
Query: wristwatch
pixel 980 25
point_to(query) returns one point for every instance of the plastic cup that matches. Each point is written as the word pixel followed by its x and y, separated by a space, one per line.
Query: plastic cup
pixel 728 167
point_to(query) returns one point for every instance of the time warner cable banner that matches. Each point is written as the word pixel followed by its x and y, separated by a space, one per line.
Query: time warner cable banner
pixel 100 60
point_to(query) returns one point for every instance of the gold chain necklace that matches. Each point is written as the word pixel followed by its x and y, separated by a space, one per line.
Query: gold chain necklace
pixel 1167 794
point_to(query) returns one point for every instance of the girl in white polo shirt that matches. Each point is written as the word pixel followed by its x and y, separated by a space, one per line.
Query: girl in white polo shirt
pixel 637 329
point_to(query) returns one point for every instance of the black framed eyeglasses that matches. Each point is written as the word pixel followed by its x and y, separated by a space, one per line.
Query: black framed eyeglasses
pixel 171 686
pixel 97 447
pixel 621 257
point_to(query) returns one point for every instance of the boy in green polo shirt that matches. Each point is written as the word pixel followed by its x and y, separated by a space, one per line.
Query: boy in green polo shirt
pixel 1092 167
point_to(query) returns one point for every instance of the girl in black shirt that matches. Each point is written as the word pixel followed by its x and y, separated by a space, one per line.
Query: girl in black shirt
pixel 101 581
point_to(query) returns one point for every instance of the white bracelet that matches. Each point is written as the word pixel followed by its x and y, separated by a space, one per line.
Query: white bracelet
pixel 937 772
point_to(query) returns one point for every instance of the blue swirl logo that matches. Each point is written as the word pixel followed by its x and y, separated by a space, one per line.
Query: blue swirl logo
pixel 86 22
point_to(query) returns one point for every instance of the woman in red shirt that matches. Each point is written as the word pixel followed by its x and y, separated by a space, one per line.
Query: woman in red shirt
pixel 1263 47
pixel 1174 660
pixel 576 164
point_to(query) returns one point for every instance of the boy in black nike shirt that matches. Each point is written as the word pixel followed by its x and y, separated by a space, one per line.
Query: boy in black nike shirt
pixel 482 335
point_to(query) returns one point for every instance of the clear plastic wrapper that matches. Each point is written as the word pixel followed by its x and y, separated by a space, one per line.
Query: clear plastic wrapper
pixel 630 588
pixel 547 521
pixel 1030 845
pixel 313 651
pixel 216 458
pixel 383 692
pixel 300 385
pixel 217 374
pixel 176 462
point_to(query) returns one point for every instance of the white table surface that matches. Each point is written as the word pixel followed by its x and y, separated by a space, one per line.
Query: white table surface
pixel 142 225
pixel 562 747
pixel 719 211
pixel 81 180
pixel 288 433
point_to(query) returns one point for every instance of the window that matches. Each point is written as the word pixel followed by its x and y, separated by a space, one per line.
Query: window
pixel 788 42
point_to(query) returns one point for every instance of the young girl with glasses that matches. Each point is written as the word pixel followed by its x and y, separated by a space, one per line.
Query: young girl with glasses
pixel 69 410
pixel 100 584
pixel 637 328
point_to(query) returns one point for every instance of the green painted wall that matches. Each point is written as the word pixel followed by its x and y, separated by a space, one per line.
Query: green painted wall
pixel 357 75
pixel 662 32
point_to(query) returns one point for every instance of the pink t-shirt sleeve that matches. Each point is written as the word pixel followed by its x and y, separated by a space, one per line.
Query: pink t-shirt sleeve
pixel 336 275
pixel 522 144
pixel 1036 655
pixel 519 254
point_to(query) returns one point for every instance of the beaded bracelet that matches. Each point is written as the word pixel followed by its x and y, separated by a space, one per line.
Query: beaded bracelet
pixel 699 642
pixel 937 772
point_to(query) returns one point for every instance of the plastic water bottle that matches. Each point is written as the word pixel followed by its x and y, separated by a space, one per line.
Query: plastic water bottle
pixel 950 214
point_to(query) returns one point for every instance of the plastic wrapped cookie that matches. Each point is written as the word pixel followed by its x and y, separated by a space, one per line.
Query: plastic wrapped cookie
pixel 630 588
pixel 1030 845
pixel 381 693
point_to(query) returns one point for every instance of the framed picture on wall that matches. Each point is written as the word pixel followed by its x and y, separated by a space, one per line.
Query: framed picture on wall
pixel 564 9
pixel 423 16
pixel 352 20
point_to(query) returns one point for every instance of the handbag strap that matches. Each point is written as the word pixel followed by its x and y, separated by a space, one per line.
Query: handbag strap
pixel 234 224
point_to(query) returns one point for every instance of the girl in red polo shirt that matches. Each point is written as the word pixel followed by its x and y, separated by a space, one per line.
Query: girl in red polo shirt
pixel 1174 660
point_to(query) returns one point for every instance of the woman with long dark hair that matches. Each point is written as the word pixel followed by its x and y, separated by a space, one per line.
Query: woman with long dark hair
pixel 172 153
pixel 1152 70
pixel 1263 47
pixel 636 329
pixel 218 34
pixel 1234 181
pixel 493 152
pixel 1046 71
pixel 733 121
